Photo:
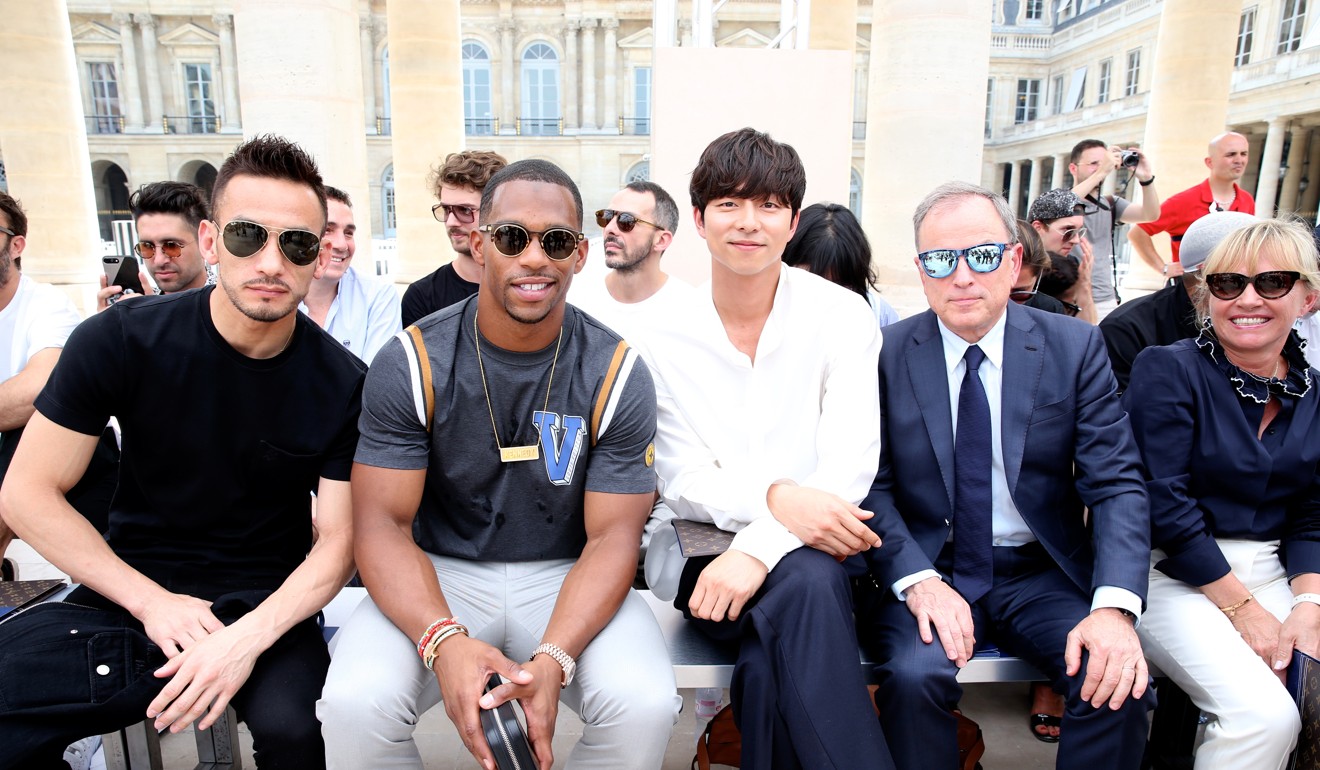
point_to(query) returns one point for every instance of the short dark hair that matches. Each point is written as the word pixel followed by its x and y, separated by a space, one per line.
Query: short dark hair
pixel 1083 146
pixel 748 164
pixel 179 198
pixel 13 210
pixel 829 242
pixel 1060 277
pixel 533 170
pixel 469 168
pixel 336 194
pixel 666 210
pixel 270 157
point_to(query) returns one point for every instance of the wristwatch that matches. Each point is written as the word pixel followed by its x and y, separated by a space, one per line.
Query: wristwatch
pixel 1127 614
pixel 564 660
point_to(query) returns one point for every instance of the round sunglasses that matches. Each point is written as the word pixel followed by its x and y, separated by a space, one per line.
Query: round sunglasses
pixel 1271 284
pixel 511 240
pixel 172 249
pixel 627 221
pixel 243 239
pixel 982 258
pixel 465 215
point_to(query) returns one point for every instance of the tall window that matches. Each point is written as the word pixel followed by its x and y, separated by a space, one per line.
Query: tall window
pixel 1028 100
pixel 989 107
pixel 1035 10
pixel 1102 88
pixel 1246 36
pixel 1133 72
pixel 642 99
pixel 105 97
pixel 1056 95
pixel 1291 25
pixel 477 115
pixel 855 193
pixel 197 92
pixel 390 227
pixel 540 90
pixel 1066 10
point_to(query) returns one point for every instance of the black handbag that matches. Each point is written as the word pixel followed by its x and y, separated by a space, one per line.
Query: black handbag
pixel 506 735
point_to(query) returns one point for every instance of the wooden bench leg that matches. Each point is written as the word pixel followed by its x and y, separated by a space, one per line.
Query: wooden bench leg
pixel 218 747
pixel 136 747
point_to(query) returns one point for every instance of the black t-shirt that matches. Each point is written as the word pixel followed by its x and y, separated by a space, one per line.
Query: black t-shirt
pixel 1161 318
pixel 436 291
pixel 220 451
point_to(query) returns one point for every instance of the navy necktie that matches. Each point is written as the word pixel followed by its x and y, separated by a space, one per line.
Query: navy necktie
pixel 973 572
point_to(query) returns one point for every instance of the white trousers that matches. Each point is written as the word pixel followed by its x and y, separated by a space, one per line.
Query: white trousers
pixel 1253 721
pixel 378 688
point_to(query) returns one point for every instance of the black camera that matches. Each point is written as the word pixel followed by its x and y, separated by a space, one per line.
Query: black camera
pixel 1131 158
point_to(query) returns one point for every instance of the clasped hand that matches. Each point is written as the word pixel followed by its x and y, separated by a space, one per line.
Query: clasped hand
pixel 822 520
pixel 1117 667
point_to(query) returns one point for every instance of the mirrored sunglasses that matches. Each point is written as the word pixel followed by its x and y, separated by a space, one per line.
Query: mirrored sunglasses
pixel 983 258
pixel 170 248
pixel 243 239
pixel 1269 285
pixel 627 221
pixel 465 215
pixel 511 240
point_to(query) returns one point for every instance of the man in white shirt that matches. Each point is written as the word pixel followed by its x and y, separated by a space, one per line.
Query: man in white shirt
pixel 768 427
pixel 35 320
pixel 362 313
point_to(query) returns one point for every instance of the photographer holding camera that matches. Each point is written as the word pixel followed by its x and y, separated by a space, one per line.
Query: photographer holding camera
pixel 1091 162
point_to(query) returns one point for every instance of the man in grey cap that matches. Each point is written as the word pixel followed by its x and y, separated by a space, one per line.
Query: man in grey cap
pixel 1168 315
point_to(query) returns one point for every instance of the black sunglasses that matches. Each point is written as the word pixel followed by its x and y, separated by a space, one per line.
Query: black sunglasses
pixel 627 221
pixel 170 248
pixel 1070 308
pixel 1024 295
pixel 465 215
pixel 511 239
pixel 1269 285
pixel 983 258
pixel 243 239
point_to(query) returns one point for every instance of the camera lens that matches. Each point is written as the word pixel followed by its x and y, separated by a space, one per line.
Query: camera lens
pixel 1131 158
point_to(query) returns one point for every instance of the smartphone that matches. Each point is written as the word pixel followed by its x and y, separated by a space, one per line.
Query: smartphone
pixel 122 272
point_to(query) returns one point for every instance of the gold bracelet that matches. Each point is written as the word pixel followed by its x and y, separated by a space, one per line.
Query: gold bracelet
pixel 433 649
pixel 1231 610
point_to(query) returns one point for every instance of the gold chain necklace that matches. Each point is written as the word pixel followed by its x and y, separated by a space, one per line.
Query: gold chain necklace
pixel 513 454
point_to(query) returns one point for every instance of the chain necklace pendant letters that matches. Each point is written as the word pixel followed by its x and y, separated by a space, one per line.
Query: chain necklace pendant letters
pixel 513 454
pixel 517 454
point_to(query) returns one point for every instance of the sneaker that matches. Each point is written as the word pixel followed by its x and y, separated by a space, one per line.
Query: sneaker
pixel 79 755
pixel 8 570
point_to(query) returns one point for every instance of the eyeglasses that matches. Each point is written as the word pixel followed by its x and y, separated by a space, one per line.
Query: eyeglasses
pixel 1022 295
pixel 1072 233
pixel 1269 285
pixel 511 240
pixel 243 239
pixel 984 258
pixel 627 221
pixel 170 248
pixel 1070 308
pixel 8 232
pixel 465 215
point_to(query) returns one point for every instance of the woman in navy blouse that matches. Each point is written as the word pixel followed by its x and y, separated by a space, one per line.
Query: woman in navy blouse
pixel 1229 428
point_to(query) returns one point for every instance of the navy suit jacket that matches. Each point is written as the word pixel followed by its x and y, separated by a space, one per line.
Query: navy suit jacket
pixel 1067 446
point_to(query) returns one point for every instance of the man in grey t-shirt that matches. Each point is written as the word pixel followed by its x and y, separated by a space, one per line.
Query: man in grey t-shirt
pixel 505 474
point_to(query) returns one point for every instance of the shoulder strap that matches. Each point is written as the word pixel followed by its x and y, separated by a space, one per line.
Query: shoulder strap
pixel 424 367
pixel 607 397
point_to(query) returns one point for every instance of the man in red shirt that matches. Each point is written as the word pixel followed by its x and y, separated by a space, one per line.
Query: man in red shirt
pixel 1227 160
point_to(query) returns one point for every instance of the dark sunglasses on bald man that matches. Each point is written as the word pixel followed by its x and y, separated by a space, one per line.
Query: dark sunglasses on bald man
pixel 511 240
pixel 627 221
pixel 243 239
pixel 1269 285
pixel 464 214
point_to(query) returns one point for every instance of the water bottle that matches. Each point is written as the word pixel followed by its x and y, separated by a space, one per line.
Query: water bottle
pixel 709 700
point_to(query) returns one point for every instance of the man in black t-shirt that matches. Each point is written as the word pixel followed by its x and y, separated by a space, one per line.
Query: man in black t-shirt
pixel 458 186
pixel 204 592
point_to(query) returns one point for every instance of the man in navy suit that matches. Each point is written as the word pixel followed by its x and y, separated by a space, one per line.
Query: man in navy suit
pixel 981 497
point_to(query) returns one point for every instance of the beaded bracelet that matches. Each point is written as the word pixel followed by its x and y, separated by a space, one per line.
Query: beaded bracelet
pixel 431 631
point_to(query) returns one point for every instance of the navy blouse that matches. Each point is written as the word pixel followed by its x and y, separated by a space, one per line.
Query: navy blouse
pixel 1196 416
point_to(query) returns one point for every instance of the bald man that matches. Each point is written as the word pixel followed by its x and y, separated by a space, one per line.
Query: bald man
pixel 1227 161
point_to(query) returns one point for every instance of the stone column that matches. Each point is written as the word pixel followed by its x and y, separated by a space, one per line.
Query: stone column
pixel 1288 194
pixel 292 88
pixel 233 122
pixel 1190 82
pixel 1037 179
pixel 685 32
pixel 45 143
pixel 1015 188
pixel 508 78
pixel 425 86
pixel 610 120
pixel 589 119
pixel 928 59
pixel 366 30
pixel 833 25
pixel 132 87
pixel 1311 196
pixel 1267 186
pixel 155 103
pixel 1060 171
pixel 570 71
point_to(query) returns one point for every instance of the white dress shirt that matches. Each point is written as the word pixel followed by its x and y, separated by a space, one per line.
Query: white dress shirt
pixel 364 314
pixel 630 320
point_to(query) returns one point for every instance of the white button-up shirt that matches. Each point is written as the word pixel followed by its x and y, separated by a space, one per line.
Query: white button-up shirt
pixel 364 315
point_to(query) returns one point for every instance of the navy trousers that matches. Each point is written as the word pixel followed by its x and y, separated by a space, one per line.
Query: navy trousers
pixel 1027 613
pixel 70 671
pixel 798 695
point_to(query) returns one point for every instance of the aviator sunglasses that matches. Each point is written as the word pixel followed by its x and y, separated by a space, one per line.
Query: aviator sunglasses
pixel 243 239
pixel 627 221
pixel 172 249
pixel 983 258
pixel 511 240
pixel 464 214
pixel 1269 285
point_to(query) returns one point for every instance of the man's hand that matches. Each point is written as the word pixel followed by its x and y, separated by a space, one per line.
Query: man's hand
pixel 175 622
pixel 1173 269
pixel 205 678
pixel 463 666
pixel 725 586
pixel 1085 265
pixel 1117 666
pixel 822 520
pixel 107 291
pixel 933 602
pixel 540 703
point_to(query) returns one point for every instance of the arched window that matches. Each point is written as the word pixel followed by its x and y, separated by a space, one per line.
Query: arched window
pixel 477 117
pixel 540 90
pixel 855 193
pixel 387 202
pixel 639 173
